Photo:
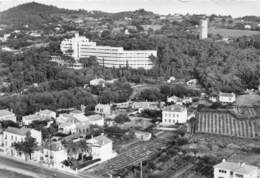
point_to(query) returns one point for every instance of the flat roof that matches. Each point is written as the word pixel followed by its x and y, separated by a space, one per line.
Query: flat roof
pixel 237 167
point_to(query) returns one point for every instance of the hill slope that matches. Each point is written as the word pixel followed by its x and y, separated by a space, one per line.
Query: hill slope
pixel 33 14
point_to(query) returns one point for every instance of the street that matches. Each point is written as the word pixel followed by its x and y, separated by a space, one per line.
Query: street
pixel 38 170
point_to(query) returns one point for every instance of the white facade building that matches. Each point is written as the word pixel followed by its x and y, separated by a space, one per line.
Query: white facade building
pixel 7 115
pixel 104 109
pixel 203 29
pixel 227 97
pixel 80 47
pixel 174 114
pixel 13 135
pixel 235 170
pixel 101 148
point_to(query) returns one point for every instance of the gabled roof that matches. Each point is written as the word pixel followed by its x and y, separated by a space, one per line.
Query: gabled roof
pixel 226 94
pixel 237 167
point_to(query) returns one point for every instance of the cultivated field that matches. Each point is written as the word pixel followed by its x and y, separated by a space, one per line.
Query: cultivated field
pixel 231 33
pixel 224 123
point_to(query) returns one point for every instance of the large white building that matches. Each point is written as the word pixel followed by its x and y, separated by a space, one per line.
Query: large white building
pixel 174 114
pixel 235 170
pixel 81 47
pixel 12 135
pixel 203 29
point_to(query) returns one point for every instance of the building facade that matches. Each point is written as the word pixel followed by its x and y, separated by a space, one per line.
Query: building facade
pixel 81 47
pixel 235 170
pixel 203 29
pixel 174 114
pixel 227 97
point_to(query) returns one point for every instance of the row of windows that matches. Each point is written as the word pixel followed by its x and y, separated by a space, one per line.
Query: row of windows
pixel 170 121
pixel 224 172
pixel 171 115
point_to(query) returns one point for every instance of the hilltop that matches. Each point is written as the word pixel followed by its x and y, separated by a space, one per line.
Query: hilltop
pixel 36 15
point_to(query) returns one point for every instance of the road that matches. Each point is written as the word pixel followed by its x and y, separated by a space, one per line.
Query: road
pixel 38 170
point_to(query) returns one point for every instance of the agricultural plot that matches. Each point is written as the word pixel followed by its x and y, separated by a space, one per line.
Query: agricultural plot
pixel 232 33
pixel 224 123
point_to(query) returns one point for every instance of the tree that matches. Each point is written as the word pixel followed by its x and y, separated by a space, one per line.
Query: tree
pixel 122 118
pixel 27 146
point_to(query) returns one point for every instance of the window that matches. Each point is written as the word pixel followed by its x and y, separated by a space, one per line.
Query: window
pixel 12 137
pixel 222 171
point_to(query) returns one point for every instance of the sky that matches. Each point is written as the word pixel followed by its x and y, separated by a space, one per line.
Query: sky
pixel 236 8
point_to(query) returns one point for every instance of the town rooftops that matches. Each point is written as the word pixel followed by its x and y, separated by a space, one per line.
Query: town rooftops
pixel 45 111
pixel 31 117
pixel 18 131
pixel 175 108
pixel 236 167
pixel 5 112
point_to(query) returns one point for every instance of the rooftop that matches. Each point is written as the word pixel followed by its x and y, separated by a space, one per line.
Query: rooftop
pixel 226 94
pixel 18 131
pixel 175 108
pixel 5 112
pixel 54 146
pixel 100 140
pixel 237 167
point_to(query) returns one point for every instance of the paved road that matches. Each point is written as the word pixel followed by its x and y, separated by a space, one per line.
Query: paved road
pixel 38 170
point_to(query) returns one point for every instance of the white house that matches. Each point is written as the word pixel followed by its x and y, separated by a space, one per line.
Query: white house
pixel 46 113
pixel 247 26
pixel 104 109
pixel 5 114
pixel 192 82
pixel 171 79
pixel 174 114
pixel 235 170
pixel 27 120
pixel 102 147
pixel 227 97
pixel 13 135
pixel 97 82
pixel 53 153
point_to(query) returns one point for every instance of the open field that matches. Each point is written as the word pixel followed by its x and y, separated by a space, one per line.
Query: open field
pixel 248 100
pixel 231 33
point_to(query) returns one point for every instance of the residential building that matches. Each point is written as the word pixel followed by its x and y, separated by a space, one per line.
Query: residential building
pixel 227 169
pixel 46 113
pixel 203 29
pixel 144 136
pixel 107 56
pixel 53 153
pixel 102 147
pixel 174 114
pixel 27 120
pixel 103 109
pixel 13 135
pixel 148 105
pixel 171 79
pixel 5 114
pixel 97 82
pixel 227 97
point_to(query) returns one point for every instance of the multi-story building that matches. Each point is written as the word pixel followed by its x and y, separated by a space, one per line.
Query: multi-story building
pixel 104 109
pixel 227 97
pixel 7 115
pixel 81 47
pixel 101 147
pixel 235 170
pixel 13 135
pixel 174 114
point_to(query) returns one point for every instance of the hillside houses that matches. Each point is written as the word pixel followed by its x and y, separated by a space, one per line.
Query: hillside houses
pixel 227 97
pixel 174 114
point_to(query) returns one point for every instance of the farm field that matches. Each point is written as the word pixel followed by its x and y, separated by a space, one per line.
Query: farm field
pixel 248 100
pixel 231 33
pixel 224 123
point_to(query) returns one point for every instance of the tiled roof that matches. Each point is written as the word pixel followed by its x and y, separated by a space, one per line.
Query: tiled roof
pixel 226 94
pixel 18 131
pixel 236 167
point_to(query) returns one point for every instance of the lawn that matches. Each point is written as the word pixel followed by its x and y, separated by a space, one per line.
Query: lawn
pixel 248 100
pixel 232 33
